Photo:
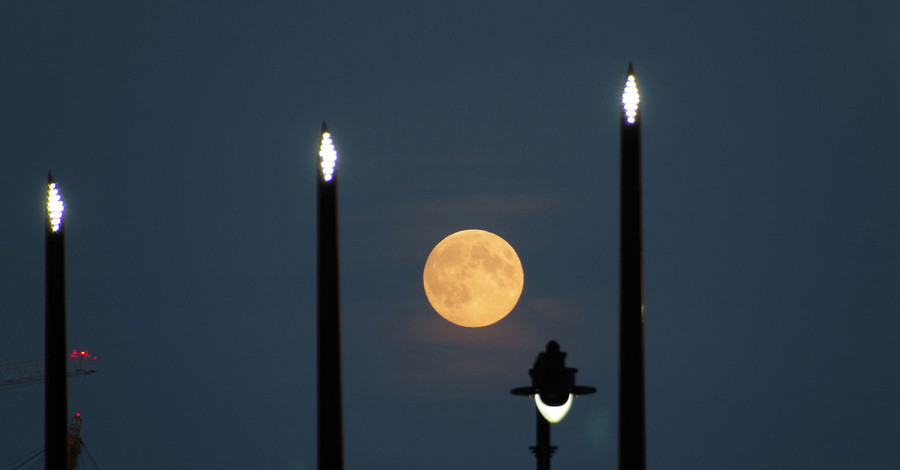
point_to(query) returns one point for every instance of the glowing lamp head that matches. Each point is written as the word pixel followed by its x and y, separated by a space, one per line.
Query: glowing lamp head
pixel 553 384
pixel 328 156
pixel 630 99
pixel 55 206
pixel 553 413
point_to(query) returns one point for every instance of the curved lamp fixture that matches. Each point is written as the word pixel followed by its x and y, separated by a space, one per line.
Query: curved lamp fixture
pixel 553 384
pixel 553 414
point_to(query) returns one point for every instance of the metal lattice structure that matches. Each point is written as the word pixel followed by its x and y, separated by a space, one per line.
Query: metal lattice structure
pixel 26 372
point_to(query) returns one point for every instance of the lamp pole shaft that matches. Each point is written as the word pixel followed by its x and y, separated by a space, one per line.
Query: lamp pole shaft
pixel 632 434
pixel 55 393
pixel 543 450
pixel 330 414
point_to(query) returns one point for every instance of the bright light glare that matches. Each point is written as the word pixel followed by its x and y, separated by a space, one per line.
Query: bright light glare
pixel 329 156
pixel 81 354
pixel 553 414
pixel 54 207
pixel 630 99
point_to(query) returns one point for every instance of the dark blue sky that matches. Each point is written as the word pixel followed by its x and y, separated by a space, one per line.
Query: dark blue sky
pixel 183 137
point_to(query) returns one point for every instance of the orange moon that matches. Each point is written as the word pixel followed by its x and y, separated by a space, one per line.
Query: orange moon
pixel 473 278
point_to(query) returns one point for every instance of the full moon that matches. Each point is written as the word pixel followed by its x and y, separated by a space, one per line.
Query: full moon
pixel 473 278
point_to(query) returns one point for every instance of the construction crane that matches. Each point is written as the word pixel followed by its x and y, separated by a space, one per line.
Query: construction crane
pixel 15 374
pixel 22 373
pixel 74 450
pixel 74 442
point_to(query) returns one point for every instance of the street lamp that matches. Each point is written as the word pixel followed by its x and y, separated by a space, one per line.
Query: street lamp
pixel 632 416
pixel 553 389
pixel 328 323
pixel 55 392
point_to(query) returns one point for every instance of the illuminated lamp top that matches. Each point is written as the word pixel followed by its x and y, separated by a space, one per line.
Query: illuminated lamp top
pixel 328 155
pixel 55 207
pixel 630 99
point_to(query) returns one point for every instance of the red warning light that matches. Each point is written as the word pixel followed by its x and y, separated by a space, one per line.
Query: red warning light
pixel 81 354
pixel 78 414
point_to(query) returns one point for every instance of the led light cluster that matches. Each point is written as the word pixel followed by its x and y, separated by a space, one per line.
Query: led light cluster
pixel 630 100
pixel 54 207
pixel 328 155
pixel 82 354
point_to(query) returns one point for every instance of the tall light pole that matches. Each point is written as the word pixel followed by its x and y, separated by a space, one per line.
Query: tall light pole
pixel 553 389
pixel 329 396
pixel 632 435
pixel 55 393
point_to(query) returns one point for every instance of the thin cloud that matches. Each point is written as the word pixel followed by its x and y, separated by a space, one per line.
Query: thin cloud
pixel 478 206
pixel 437 359
pixel 411 230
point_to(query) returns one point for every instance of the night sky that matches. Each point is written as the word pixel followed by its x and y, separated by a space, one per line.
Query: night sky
pixel 183 136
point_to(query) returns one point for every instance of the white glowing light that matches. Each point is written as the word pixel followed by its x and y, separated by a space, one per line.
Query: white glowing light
pixel 553 414
pixel 630 100
pixel 328 155
pixel 54 207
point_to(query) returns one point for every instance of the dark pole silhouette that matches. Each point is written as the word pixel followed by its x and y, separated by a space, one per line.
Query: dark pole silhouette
pixel 632 454
pixel 330 414
pixel 553 389
pixel 55 393
pixel 543 450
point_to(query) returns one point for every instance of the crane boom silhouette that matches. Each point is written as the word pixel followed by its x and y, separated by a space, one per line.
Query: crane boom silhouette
pixel 26 372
